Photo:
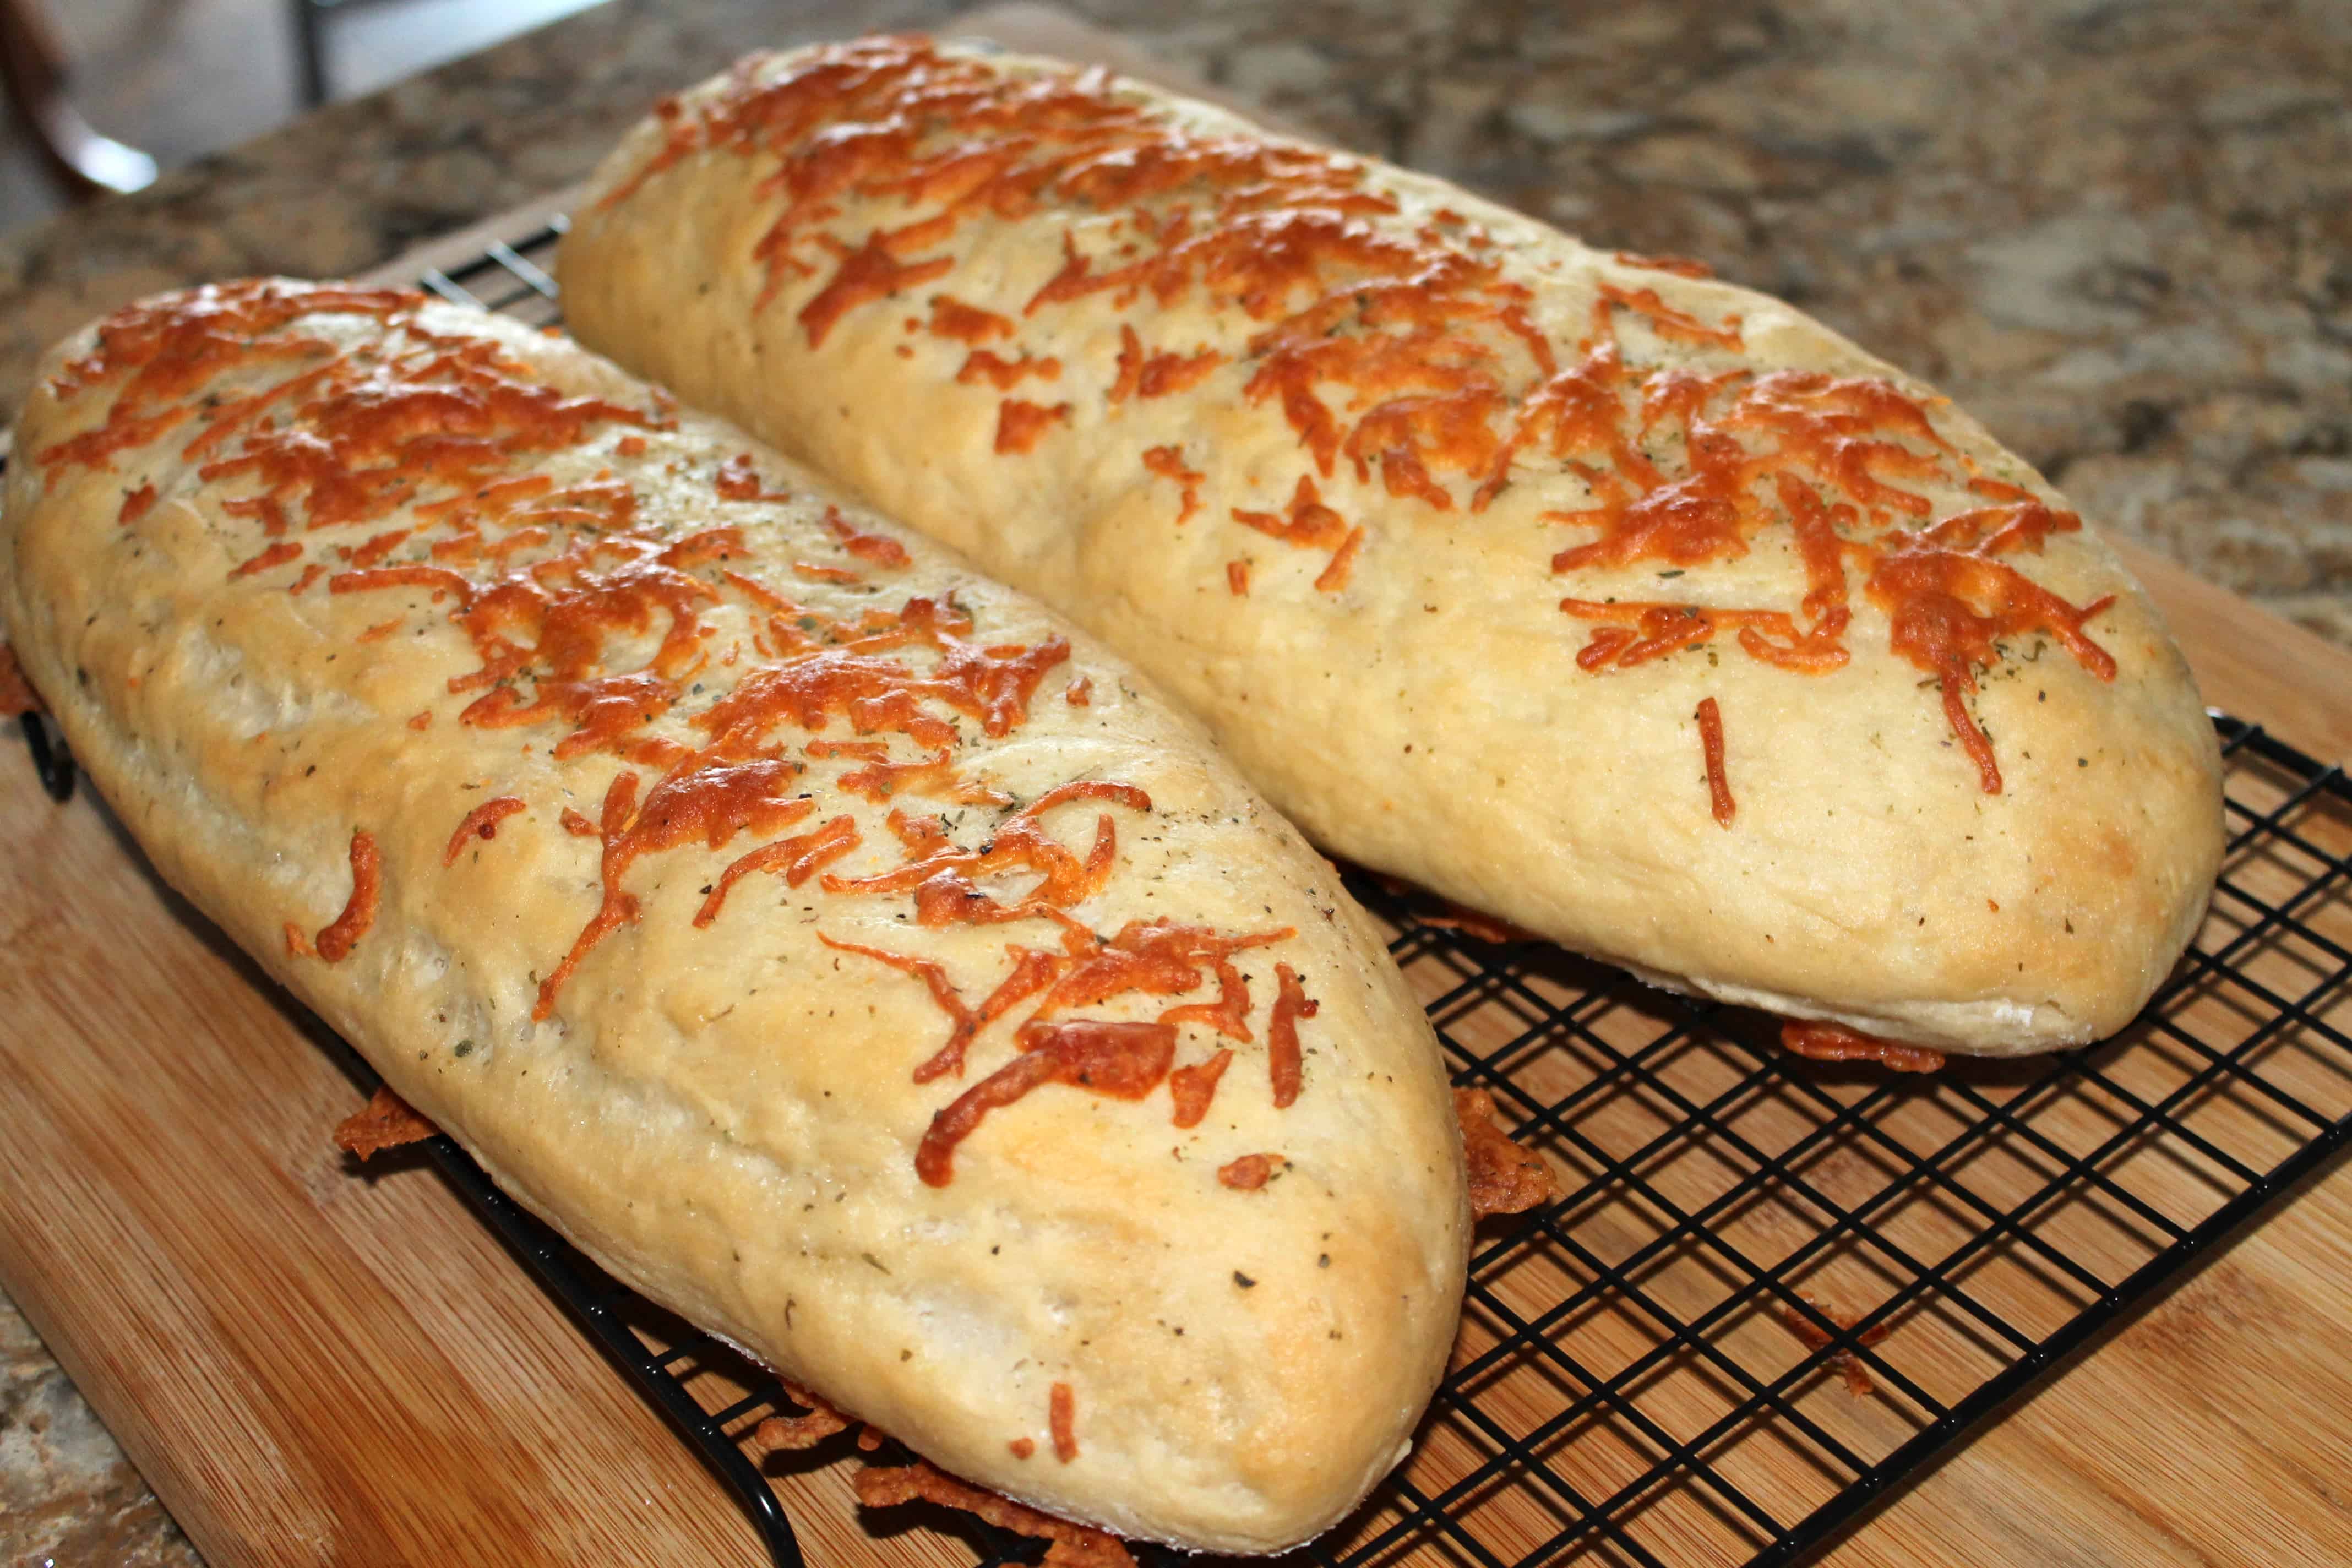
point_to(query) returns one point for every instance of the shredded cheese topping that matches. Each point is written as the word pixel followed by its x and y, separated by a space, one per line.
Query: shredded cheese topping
pixel 1405 349
pixel 592 618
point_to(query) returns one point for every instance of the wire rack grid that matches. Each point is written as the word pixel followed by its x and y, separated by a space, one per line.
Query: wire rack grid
pixel 1776 1290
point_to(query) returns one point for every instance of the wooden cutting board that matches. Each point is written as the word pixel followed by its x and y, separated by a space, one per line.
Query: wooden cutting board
pixel 312 1365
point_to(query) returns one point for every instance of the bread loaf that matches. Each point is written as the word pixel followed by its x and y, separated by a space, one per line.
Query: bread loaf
pixel 1631 608
pixel 835 946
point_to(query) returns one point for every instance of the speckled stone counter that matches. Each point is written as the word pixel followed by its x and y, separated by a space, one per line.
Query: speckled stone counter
pixel 2120 231
pixel 67 1497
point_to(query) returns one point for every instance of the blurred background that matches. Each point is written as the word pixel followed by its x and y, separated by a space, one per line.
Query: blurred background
pixel 179 78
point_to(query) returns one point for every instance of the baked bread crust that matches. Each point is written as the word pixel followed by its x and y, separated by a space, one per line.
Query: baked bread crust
pixel 1451 528
pixel 329 588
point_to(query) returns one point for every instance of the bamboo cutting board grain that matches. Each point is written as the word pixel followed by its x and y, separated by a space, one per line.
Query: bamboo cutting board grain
pixel 312 1365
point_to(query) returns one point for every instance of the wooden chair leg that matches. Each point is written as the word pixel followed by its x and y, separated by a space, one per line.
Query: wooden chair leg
pixel 32 64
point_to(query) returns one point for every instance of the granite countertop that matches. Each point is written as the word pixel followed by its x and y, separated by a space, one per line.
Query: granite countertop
pixel 2119 231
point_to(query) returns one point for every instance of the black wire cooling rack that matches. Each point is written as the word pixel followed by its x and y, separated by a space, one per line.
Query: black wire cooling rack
pixel 1776 1290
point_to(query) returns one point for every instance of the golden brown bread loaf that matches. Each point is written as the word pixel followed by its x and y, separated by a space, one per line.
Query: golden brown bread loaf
pixel 834 944
pixel 1635 608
